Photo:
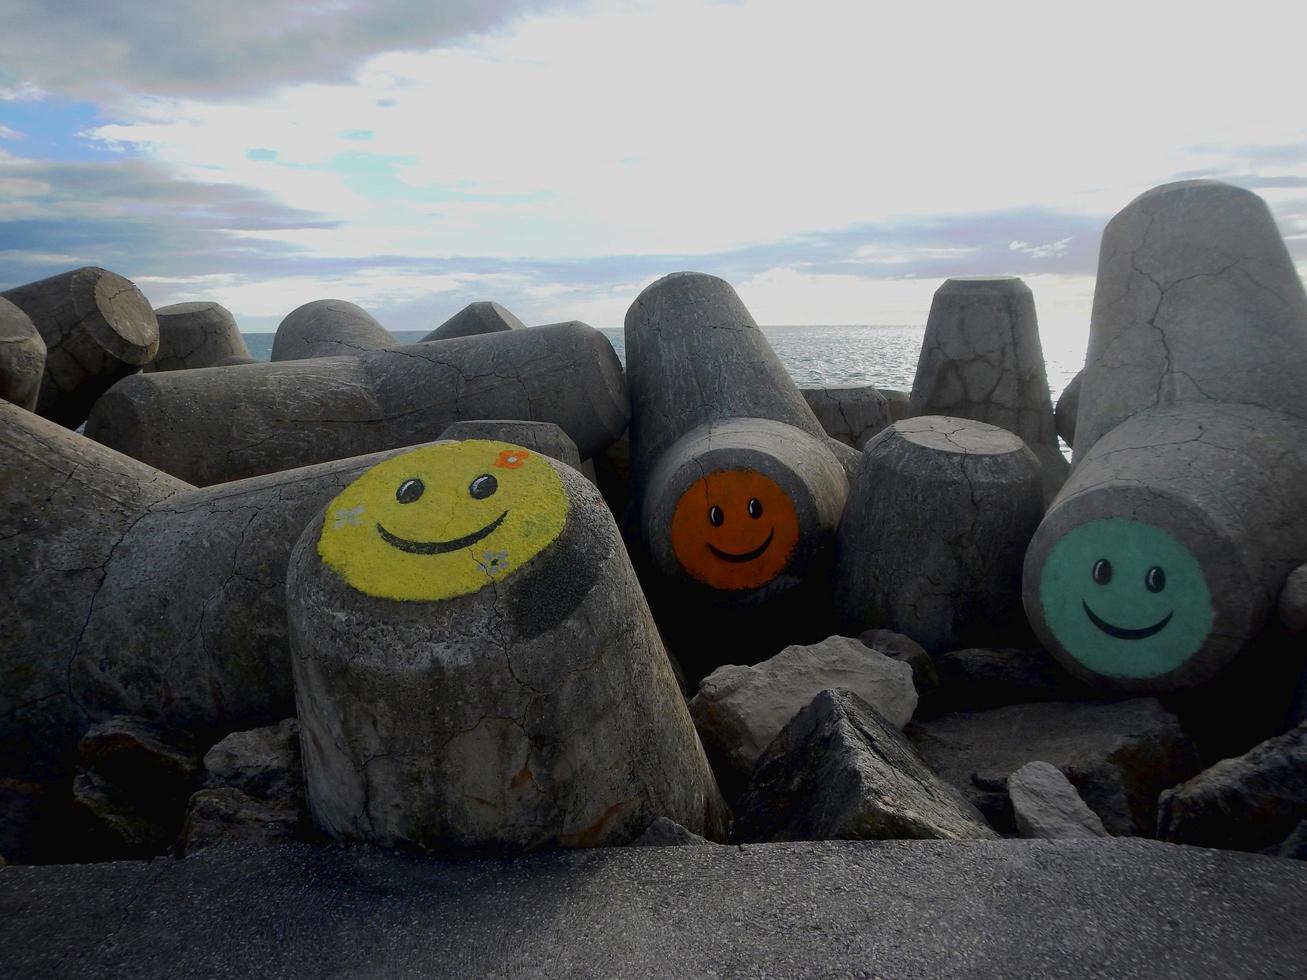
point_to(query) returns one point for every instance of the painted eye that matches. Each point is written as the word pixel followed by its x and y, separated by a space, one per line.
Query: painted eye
pixel 1155 580
pixel 755 508
pixel 1102 571
pixel 715 516
pixel 483 486
pixel 409 491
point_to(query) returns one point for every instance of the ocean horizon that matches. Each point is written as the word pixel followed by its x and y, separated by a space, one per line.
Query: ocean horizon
pixel 826 356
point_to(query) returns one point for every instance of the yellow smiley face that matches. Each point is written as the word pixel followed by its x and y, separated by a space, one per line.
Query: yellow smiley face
pixel 443 521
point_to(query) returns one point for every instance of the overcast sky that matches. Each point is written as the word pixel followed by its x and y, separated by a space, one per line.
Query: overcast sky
pixel 834 161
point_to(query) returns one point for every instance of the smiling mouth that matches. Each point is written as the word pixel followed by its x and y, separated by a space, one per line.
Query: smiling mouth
pixel 1120 632
pixel 748 555
pixel 439 547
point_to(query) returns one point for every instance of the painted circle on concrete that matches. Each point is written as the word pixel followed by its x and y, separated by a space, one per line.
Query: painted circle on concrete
pixel 443 521
pixel 1125 598
pixel 734 529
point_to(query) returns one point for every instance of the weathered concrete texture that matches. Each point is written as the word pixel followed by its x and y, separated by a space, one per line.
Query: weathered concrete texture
pixel 1047 806
pixel 130 791
pixel 981 359
pixel 22 357
pixel 931 540
pixel 134 593
pixel 539 710
pixel 236 360
pixel 97 328
pixel 475 319
pixel 1068 405
pixel 1197 300
pixel 694 355
pixel 1118 909
pixel 851 415
pixel 1119 756
pixel 542 437
pixel 1291 606
pixel 840 771
pixel 196 335
pixel 899 403
pixel 328 328
pixel 1209 495
pixel 211 427
pixel 1248 803
pixel 739 710
pixel 802 508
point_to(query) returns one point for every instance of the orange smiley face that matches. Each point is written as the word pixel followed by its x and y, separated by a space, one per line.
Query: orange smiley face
pixel 734 529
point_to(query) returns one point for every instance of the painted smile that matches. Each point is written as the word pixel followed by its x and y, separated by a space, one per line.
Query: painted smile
pixel 439 547
pixel 748 555
pixel 1121 633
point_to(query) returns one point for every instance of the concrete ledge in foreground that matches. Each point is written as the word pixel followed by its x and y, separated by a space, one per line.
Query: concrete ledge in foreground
pixel 1116 908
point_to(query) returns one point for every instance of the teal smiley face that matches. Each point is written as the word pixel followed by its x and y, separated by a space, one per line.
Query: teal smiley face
pixel 1125 598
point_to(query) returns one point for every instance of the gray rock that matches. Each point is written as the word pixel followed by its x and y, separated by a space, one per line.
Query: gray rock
pixel 981 359
pixel 897 646
pixel 1295 845
pixel 694 355
pixel 1047 806
pixel 227 816
pixel 739 710
pixel 1114 909
pixel 263 763
pixel 1119 756
pixel 210 427
pixel 931 540
pixel 1292 604
pixel 1247 803
pixel 1196 300
pixel 542 437
pixel 667 833
pixel 984 677
pixel 133 593
pixel 22 357
pixel 840 771
pixel 1161 562
pixel 328 328
pixel 851 415
pixel 475 319
pixel 506 694
pixel 97 328
pixel 1068 404
pixel 197 335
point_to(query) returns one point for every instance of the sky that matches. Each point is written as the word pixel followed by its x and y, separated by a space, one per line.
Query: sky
pixel 834 161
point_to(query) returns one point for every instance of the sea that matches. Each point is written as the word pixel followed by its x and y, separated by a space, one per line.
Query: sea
pixel 828 356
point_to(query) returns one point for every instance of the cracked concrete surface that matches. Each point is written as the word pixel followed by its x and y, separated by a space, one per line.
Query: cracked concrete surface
pixel 474 319
pixel 97 328
pixel 539 711
pixel 931 540
pixel 850 415
pixel 328 328
pixel 209 426
pixel 196 335
pixel 981 359
pixel 22 357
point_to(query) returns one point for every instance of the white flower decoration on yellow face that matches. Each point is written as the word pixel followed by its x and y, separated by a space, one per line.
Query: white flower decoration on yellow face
pixel 442 521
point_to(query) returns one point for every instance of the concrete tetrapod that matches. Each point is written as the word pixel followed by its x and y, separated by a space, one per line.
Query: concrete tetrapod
pixel 931 541
pixel 22 357
pixel 328 328
pixel 196 335
pixel 1197 299
pixel 1165 553
pixel 540 437
pixel 981 359
pixel 850 415
pixel 476 668
pixel 130 592
pixel 97 328
pixel 211 426
pixel 475 319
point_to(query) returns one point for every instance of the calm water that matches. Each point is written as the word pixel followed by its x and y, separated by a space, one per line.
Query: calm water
pixel 833 357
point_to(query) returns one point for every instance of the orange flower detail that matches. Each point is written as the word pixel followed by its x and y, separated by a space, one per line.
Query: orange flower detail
pixel 511 459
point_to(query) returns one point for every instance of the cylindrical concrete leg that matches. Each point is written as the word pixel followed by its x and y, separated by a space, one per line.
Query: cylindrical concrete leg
pixel 328 328
pixel 932 537
pixel 22 357
pixel 473 320
pixel 196 335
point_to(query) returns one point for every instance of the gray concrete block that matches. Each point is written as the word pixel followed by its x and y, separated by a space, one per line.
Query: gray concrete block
pixel 22 357
pixel 328 328
pixel 851 415
pixel 475 319
pixel 197 335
